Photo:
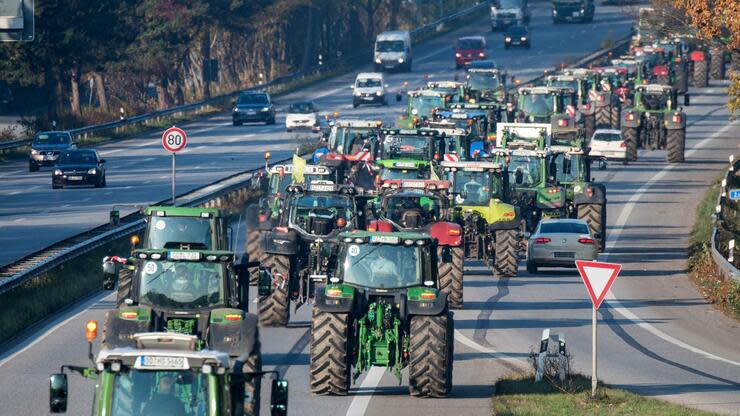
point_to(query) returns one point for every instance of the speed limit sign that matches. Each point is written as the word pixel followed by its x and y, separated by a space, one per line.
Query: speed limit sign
pixel 174 139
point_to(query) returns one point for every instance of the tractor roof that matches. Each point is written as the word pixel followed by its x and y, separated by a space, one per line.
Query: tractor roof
pixel 163 211
pixel 654 88
pixel 538 90
pixel 420 184
pixel 445 84
pixel 359 123
pixel 410 132
pixel 382 238
pixel 320 186
pixel 402 164
pixel 164 345
pixel 426 93
pixel 177 254
pixel 474 106
pixel 308 170
pixel 471 166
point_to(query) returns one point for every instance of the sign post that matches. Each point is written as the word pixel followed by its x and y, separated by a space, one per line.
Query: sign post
pixel 174 140
pixel 598 278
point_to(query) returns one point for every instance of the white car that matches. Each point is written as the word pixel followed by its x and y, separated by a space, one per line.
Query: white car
pixel 559 243
pixel 369 88
pixel 302 115
pixel 610 144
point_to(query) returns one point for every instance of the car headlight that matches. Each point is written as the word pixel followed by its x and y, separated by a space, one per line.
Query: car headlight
pixel 482 54
pixel 34 152
pixel 524 38
pixel 57 172
pixel 583 11
pixel 357 93
pixel 377 60
pixel 458 54
pixel 378 93
pixel 508 39
pixel 265 109
pixel 554 11
pixel 236 110
pixel 92 171
pixel 400 60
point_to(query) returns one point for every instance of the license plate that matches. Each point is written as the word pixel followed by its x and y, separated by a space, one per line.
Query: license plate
pixel 158 362
pixel 367 98
pixel 184 255
pixel 575 14
pixel 567 255
pixel 74 178
pixel 251 111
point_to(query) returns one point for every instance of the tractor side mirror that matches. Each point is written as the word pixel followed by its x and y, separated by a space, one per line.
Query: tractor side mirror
pixel 110 274
pixel 279 398
pixel 686 99
pixel 58 389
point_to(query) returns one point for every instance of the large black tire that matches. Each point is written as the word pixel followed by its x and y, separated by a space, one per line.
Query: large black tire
pixel 431 350
pixel 676 142
pixel 603 118
pixel 701 74
pixel 451 276
pixel 253 388
pixel 331 349
pixel 681 77
pixel 507 257
pixel 595 217
pixel 615 112
pixel 124 286
pixel 717 63
pixel 589 125
pixel 274 309
pixel 253 249
pixel 630 139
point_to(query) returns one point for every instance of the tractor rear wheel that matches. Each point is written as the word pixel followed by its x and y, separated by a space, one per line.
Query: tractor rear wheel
pixel 700 74
pixel 331 349
pixel 252 388
pixel 507 257
pixel 430 355
pixel 603 117
pixel 451 276
pixel 124 286
pixel 589 125
pixel 681 78
pixel 615 113
pixel 717 63
pixel 274 309
pixel 630 140
pixel 253 249
pixel 595 217
pixel 676 144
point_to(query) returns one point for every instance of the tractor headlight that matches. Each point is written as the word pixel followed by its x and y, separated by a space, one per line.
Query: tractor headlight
pixel 264 109
pixel 508 39
pixel 92 171
pixel 57 172
pixel 400 60
pixel 377 60
pixel 34 152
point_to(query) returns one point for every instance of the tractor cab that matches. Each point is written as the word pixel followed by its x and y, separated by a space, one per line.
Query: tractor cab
pixel 453 91
pixel 422 105
pixel 319 209
pixel 411 204
pixel 485 85
pixel 350 141
pixel 195 228
pixel 411 144
pixel 403 169
pixel 462 143
pixel 656 97
pixel 539 104
pixel 476 184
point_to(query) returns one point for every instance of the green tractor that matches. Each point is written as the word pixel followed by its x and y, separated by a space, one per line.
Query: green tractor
pixel 411 145
pixel 491 226
pixel 299 251
pixel 167 374
pixel 570 165
pixel 382 307
pixel 421 107
pixel 555 105
pixel 188 291
pixel 582 82
pixel 486 85
pixel 655 122
pixel 402 169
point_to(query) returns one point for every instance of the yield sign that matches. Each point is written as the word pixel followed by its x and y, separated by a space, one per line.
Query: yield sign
pixel 598 278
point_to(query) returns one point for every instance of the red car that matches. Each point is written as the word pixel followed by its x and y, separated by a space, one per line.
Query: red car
pixel 469 49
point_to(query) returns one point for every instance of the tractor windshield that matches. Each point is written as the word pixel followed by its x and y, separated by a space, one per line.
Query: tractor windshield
pixel 388 173
pixel 407 147
pixel 475 188
pixel 525 170
pixel 279 183
pixel 565 83
pixel 149 393
pixel 422 105
pixel 567 168
pixel 413 210
pixel 182 284
pixel 654 101
pixel 538 104
pixel 172 232
pixel 483 80
pixel 347 141
pixel 320 214
pixel 383 266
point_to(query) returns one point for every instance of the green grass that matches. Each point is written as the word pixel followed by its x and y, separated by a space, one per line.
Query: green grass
pixel 520 395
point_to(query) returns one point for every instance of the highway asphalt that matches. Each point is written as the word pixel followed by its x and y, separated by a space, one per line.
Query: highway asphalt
pixel 657 336
pixel 139 169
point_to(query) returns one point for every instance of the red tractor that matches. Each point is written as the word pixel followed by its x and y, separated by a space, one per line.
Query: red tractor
pixel 423 206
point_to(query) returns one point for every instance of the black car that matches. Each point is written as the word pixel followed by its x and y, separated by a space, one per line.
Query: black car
pixel 79 167
pixel 253 106
pixel 46 147
pixel 516 36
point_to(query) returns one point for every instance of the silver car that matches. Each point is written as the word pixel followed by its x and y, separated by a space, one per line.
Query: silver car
pixel 559 243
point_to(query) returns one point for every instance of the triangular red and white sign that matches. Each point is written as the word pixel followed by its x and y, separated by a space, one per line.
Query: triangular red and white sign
pixel 598 278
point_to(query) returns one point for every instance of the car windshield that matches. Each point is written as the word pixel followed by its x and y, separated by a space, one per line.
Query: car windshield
pixel 389 173
pixel 154 393
pixel 425 104
pixel 389 46
pixel 508 4
pixel 345 140
pixel 182 285
pixel 516 31
pixel 51 139
pixel 413 210
pixel 563 227
pixel 302 108
pixel 321 213
pixel 474 188
pixel 78 158
pixel 483 80
pixel 368 83
pixel 407 147
pixel 383 266
pixel 466 44
pixel 172 232
pixel 538 104
pixel 526 167
pixel 252 99
pixel 566 167
pixel 607 137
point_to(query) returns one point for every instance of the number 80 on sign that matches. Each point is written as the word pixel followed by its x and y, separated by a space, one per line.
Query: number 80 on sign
pixel 174 139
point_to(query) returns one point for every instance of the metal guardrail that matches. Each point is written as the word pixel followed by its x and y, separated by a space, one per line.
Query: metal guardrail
pixel 723 262
pixel 315 70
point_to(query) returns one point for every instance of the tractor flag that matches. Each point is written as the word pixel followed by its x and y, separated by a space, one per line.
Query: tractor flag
pixel 299 165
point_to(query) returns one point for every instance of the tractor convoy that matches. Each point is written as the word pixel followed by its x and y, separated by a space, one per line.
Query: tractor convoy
pixel 373 233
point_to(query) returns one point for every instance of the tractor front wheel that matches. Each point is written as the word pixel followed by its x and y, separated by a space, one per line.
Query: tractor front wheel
pixel 451 276
pixel 430 355
pixel 507 257
pixel 252 388
pixel 630 140
pixel 330 353
pixel 595 217
pixel 676 144
pixel 274 309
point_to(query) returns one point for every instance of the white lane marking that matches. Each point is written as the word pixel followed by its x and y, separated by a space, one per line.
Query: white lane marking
pixel 109 152
pixel 19 219
pixel 614 237
pixel 236 139
pixel 459 337
pixel 361 402
pixel 330 92
pixel 15 193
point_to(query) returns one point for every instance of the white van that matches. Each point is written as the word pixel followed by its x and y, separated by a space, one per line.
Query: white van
pixel 393 51
pixel 369 88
